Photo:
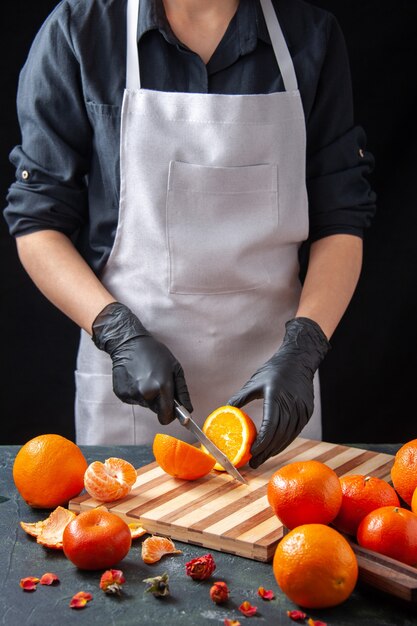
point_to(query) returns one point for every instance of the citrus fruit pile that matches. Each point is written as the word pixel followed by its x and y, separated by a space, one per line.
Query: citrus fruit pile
pixel 314 564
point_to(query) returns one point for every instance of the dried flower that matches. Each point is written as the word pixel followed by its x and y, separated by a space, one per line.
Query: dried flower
pixel 112 581
pixel 158 585
pixel 247 609
pixel 49 579
pixel 200 568
pixel 80 599
pixel 297 616
pixel 266 594
pixel 312 622
pixel 29 583
pixel 219 592
pixel 231 622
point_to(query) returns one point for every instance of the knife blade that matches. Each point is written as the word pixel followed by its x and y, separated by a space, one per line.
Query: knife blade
pixel 187 421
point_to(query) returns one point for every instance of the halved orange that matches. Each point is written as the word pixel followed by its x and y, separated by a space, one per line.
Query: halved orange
pixel 110 480
pixel 181 459
pixel 233 431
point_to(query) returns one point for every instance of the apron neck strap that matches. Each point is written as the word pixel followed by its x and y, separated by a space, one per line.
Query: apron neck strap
pixel 279 46
pixel 132 54
pixel 282 54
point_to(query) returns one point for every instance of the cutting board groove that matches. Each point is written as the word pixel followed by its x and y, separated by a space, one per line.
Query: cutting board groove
pixel 218 512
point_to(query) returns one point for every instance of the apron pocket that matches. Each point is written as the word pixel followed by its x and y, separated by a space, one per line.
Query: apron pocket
pixel 100 417
pixel 221 222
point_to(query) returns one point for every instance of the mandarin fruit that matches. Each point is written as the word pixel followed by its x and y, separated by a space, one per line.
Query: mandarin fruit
pixel 361 495
pixel 233 432
pixel 96 539
pixel 181 459
pixel 110 480
pixel 390 530
pixel 404 470
pixel 315 566
pixel 305 492
pixel 48 471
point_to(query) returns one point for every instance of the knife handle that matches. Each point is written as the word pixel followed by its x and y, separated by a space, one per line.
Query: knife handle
pixel 181 413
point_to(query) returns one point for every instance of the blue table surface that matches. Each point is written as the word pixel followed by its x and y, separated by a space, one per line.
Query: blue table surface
pixel 189 603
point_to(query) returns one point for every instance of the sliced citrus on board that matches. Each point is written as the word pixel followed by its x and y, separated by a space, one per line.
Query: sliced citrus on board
pixel 181 459
pixel 49 532
pixel 110 480
pixel 233 431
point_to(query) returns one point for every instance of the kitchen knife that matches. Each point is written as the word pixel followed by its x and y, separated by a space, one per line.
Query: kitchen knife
pixel 187 421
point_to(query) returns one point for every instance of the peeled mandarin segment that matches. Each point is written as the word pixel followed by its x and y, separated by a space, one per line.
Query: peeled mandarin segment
pixel 233 431
pixel 154 548
pixel 109 481
pixel 49 532
pixel 122 470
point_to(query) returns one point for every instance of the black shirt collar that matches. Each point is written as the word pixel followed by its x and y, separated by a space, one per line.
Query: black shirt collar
pixel 246 27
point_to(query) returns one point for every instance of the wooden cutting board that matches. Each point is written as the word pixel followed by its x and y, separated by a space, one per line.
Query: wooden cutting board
pixel 217 511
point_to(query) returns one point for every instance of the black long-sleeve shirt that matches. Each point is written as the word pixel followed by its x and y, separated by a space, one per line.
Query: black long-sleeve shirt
pixel 69 105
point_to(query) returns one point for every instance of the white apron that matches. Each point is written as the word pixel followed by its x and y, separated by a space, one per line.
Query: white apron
pixel 213 209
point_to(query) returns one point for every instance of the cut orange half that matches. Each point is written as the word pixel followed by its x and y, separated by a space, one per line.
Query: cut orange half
pixel 233 431
pixel 181 459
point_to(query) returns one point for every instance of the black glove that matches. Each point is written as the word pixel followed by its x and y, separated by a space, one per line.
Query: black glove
pixel 145 372
pixel 285 382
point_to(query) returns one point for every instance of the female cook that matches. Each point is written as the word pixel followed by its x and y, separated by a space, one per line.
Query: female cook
pixel 175 155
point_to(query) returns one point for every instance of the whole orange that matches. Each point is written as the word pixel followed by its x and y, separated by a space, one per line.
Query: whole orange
pixel 181 459
pixel 404 470
pixel 361 495
pixel 315 566
pixel 414 501
pixel 390 530
pixel 305 492
pixel 48 471
pixel 96 539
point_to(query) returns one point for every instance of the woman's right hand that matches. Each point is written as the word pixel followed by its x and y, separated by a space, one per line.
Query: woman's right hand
pixel 145 372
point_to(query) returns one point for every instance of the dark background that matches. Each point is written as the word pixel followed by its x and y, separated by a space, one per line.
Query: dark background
pixel 370 377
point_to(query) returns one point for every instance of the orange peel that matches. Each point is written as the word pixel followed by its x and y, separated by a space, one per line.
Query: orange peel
pixel 136 530
pixel 49 532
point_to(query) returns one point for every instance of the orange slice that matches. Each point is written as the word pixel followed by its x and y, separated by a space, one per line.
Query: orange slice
pixel 154 548
pixel 110 480
pixel 49 532
pixel 181 459
pixel 233 431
